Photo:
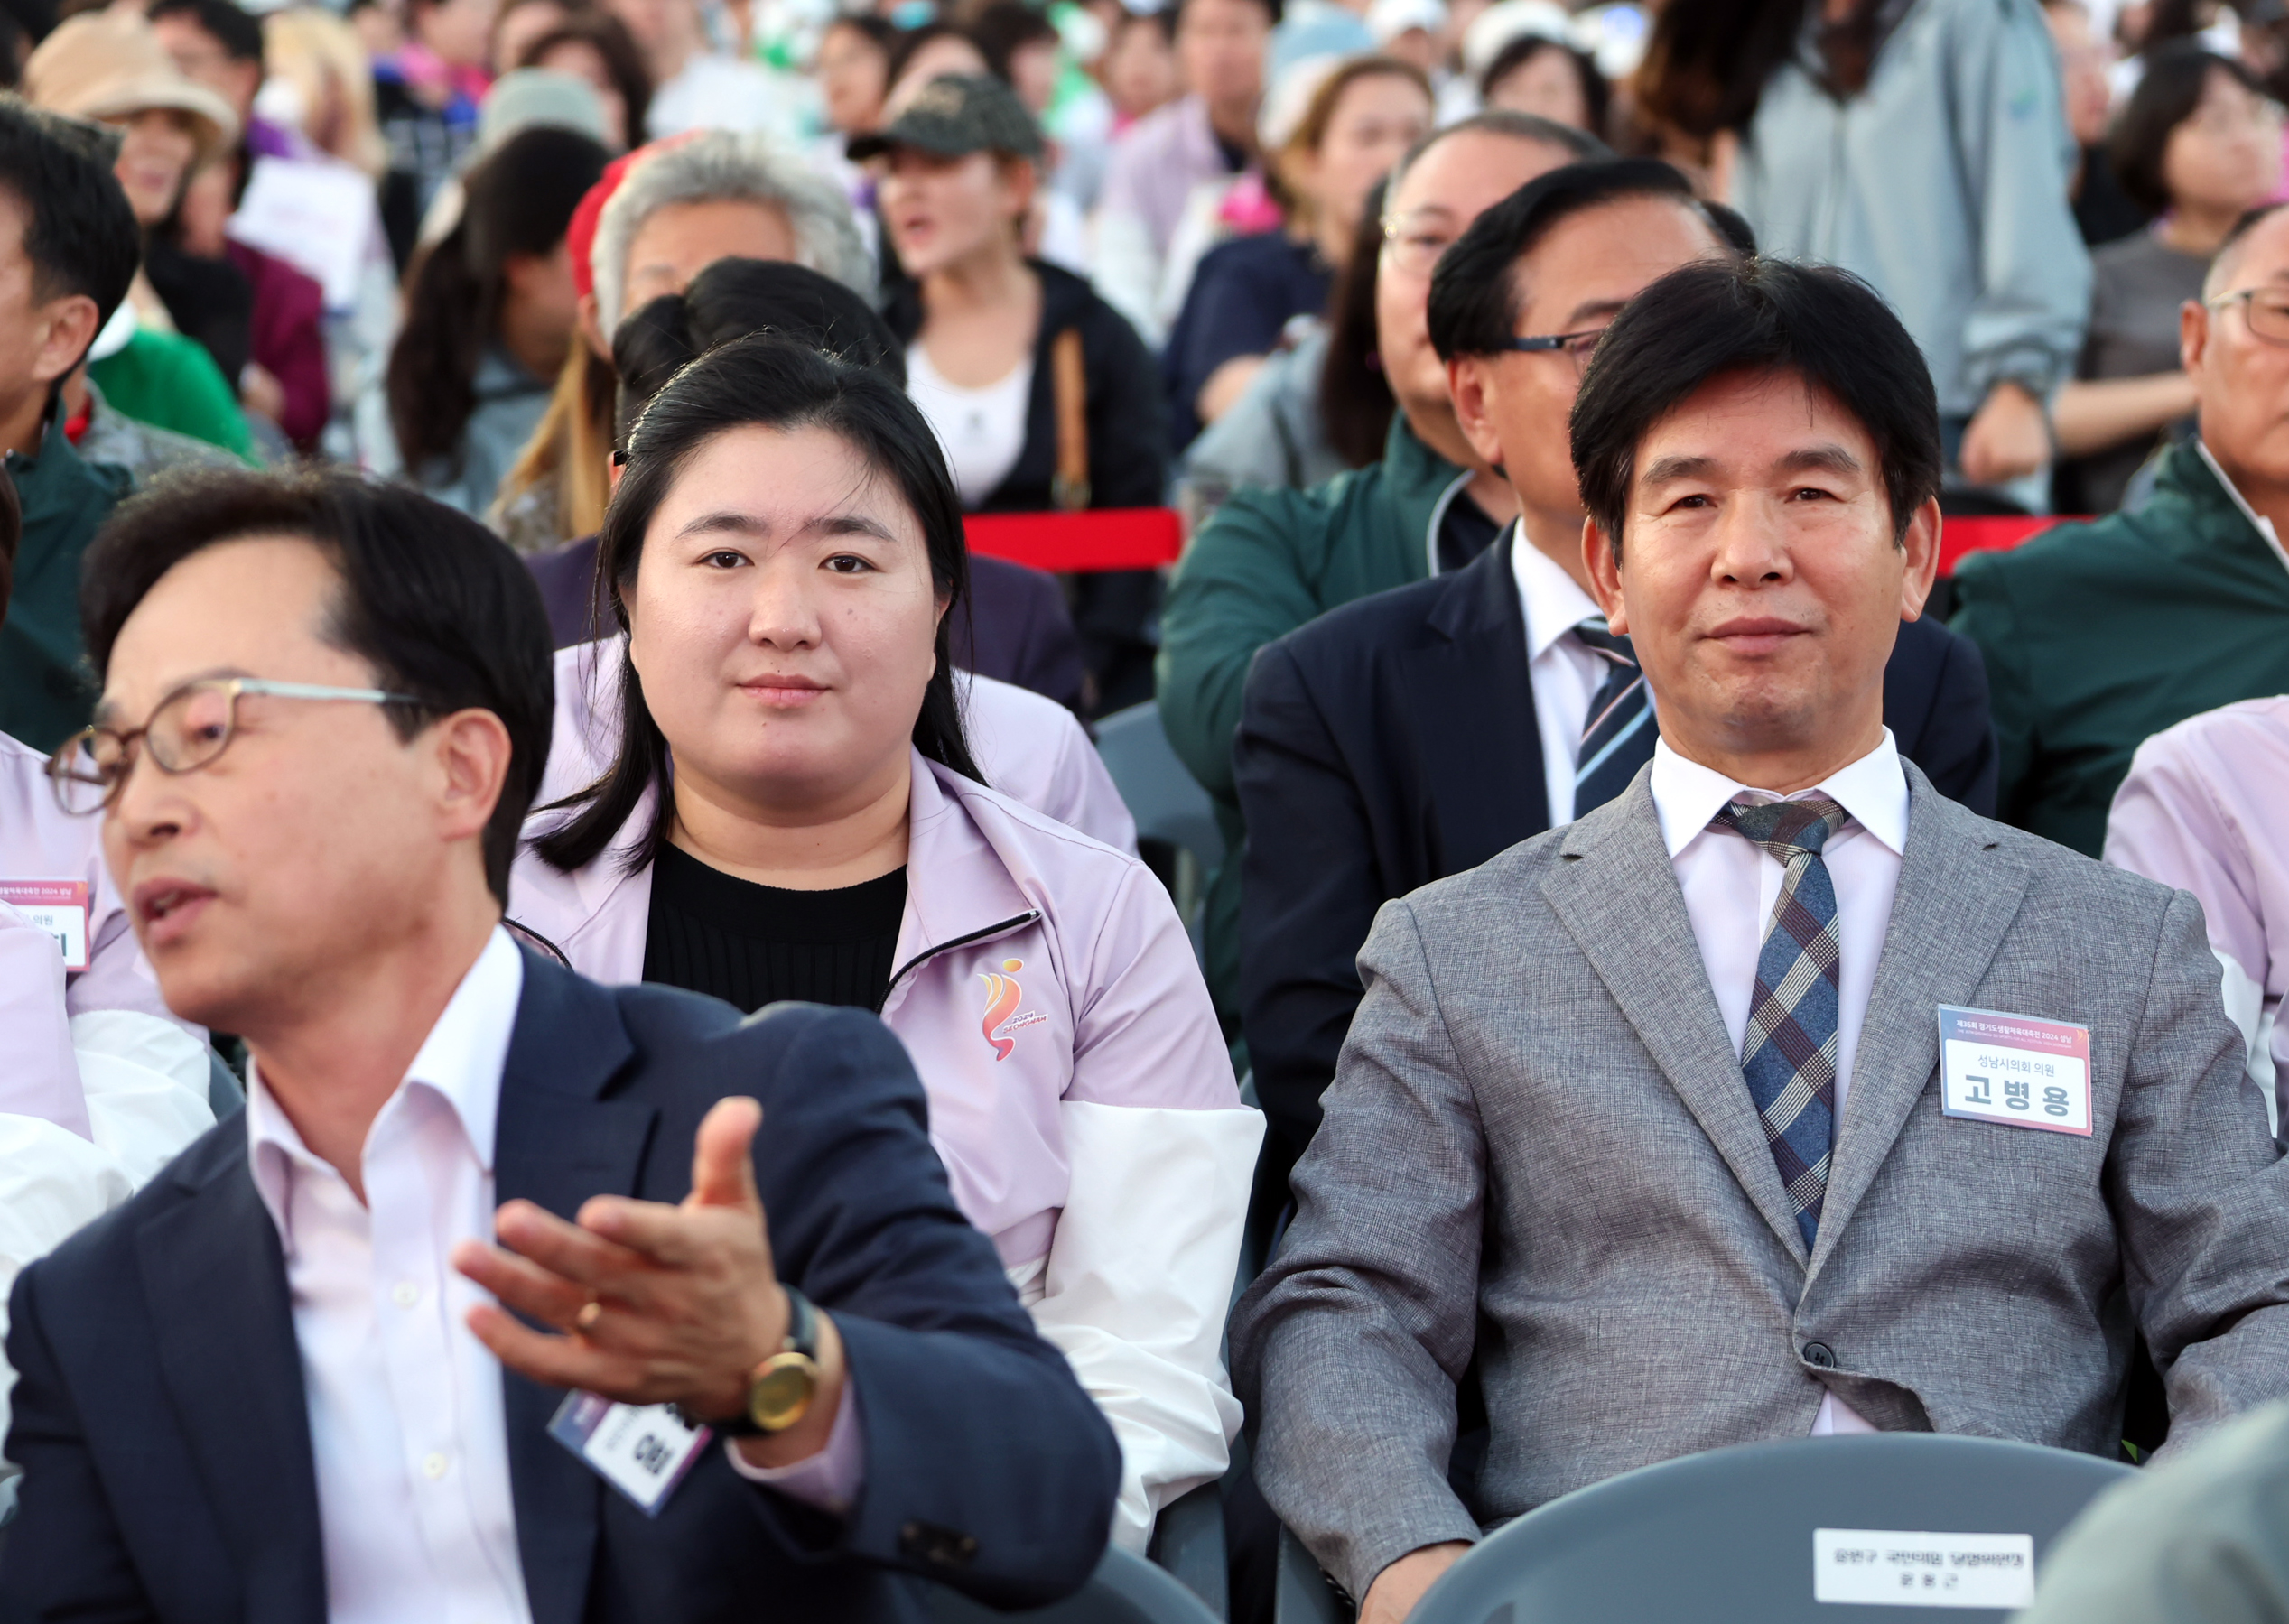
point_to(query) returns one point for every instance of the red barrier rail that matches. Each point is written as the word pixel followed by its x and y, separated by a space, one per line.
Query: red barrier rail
pixel 1145 538
pixel 1967 535
pixel 1104 538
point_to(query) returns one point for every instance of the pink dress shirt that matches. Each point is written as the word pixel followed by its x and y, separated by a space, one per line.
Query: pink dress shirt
pixel 1730 885
pixel 2206 809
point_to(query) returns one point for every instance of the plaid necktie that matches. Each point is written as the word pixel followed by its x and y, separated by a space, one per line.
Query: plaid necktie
pixel 1618 738
pixel 1788 1054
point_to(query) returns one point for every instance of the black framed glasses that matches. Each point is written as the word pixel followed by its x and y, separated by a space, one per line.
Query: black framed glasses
pixel 187 731
pixel 2266 310
pixel 1575 347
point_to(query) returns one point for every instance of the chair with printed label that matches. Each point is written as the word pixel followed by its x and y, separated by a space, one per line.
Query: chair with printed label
pixel 1124 1590
pixel 1781 1533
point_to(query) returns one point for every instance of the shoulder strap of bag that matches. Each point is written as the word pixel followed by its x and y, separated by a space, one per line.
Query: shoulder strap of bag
pixel 1069 489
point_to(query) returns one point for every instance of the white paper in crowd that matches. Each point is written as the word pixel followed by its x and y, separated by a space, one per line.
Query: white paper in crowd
pixel 1884 1567
pixel 2016 1069
pixel 316 216
pixel 641 1449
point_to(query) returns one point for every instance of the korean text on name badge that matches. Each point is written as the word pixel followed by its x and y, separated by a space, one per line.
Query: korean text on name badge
pixel 641 1449
pixel 2015 1070
pixel 1883 1567
pixel 58 906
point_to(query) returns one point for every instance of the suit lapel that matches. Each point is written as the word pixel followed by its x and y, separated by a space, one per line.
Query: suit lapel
pixel 558 1141
pixel 1472 695
pixel 1957 898
pixel 1616 894
pixel 214 1277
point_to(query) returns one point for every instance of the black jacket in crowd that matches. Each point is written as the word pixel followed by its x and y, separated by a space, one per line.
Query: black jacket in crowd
pixel 1117 614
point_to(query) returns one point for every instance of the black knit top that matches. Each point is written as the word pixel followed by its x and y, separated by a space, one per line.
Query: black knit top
pixel 751 945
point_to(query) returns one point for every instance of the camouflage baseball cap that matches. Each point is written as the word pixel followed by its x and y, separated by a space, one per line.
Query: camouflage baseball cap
pixel 954 117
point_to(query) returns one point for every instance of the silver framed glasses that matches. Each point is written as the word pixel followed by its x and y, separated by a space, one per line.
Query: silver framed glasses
pixel 187 731
pixel 2266 310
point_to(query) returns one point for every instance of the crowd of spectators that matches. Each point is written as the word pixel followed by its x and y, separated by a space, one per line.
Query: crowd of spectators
pixel 546 435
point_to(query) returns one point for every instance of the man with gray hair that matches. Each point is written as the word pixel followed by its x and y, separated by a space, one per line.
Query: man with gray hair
pixel 2097 636
pixel 719 196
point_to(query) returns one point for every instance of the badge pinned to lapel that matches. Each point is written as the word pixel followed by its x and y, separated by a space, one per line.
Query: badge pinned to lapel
pixel 641 1449
pixel 2016 1069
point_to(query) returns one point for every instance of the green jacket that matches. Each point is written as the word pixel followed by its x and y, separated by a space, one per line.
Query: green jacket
pixel 1269 562
pixel 170 381
pixel 45 694
pixel 2099 636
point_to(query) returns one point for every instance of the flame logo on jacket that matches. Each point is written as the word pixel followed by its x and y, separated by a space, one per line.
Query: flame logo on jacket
pixel 1002 996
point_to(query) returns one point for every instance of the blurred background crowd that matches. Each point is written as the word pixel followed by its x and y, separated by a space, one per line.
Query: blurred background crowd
pixel 372 236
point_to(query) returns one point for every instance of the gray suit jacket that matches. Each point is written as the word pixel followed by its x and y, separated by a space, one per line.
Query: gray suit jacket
pixel 1538 1148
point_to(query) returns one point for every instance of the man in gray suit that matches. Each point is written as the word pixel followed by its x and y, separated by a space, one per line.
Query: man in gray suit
pixel 1652 1115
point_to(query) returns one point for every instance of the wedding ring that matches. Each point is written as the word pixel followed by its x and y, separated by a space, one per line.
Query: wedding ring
pixel 591 1312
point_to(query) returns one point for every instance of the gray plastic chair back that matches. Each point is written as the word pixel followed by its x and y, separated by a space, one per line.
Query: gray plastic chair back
pixel 1177 832
pixel 1160 791
pixel 1124 1590
pixel 1727 1536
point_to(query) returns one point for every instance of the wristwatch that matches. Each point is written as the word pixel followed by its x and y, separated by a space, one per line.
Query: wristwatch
pixel 779 1389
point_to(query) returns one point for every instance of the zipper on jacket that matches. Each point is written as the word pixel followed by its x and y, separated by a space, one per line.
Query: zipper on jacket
pixel 982 933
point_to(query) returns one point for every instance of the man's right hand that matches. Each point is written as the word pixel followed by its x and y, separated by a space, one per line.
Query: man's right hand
pixel 1396 1589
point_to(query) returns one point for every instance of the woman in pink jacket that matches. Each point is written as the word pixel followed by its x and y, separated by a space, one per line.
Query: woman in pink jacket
pixel 794 812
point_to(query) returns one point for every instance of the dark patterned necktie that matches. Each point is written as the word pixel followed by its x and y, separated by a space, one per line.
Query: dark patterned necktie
pixel 1788 1054
pixel 1619 736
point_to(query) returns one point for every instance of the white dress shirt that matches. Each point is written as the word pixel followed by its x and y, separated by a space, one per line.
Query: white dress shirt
pixel 406 1428
pixel 2257 521
pixel 1730 885
pixel 1565 670
pixel 405 1422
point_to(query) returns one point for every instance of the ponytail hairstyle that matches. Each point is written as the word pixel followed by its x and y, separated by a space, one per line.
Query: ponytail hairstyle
pixel 519 202
pixel 765 381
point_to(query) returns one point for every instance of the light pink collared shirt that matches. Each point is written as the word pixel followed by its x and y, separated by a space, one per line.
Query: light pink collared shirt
pixel 407 1426
pixel 1731 884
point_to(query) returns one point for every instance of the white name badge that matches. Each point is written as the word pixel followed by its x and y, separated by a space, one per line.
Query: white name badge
pixel 1881 1567
pixel 2015 1070
pixel 641 1449
pixel 58 906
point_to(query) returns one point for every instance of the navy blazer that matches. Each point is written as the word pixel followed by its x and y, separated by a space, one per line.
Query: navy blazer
pixel 160 1415
pixel 1393 742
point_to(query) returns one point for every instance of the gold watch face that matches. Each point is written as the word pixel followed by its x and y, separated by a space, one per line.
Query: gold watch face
pixel 781 1391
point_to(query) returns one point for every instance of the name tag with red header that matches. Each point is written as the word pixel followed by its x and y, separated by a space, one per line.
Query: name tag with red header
pixel 58 906
pixel 2016 1069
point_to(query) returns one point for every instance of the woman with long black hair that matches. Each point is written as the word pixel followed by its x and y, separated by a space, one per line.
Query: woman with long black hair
pixel 490 312
pixel 794 812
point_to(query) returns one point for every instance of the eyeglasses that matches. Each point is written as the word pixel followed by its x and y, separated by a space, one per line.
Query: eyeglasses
pixel 2265 310
pixel 187 731
pixel 1576 347
pixel 1414 249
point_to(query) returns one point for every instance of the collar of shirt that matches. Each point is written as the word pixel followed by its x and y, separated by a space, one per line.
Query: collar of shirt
pixel 459 1062
pixel 1874 790
pixel 2257 521
pixel 1554 601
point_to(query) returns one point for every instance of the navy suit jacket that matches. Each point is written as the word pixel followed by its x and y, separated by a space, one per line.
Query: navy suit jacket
pixel 1393 742
pixel 160 1415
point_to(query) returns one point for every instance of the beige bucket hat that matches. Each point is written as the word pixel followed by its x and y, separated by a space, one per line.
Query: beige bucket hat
pixel 108 64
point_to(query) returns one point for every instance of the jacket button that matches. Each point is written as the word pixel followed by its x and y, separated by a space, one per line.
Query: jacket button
pixel 1820 1355
pixel 939 1547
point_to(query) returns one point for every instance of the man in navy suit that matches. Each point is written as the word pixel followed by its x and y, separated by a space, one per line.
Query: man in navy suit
pixel 1415 734
pixel 283 1382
